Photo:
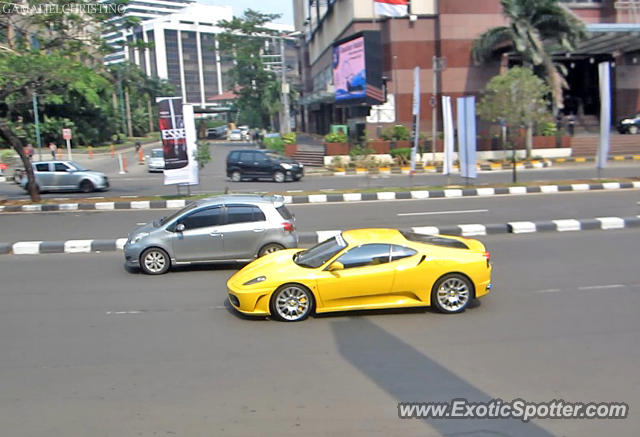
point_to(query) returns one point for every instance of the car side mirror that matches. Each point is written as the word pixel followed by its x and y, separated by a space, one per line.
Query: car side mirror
pixel 336 265
pixel 180 227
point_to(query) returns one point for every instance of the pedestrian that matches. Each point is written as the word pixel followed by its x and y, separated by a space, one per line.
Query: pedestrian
pixel 138 145
pixel 28 150
pixel 53 148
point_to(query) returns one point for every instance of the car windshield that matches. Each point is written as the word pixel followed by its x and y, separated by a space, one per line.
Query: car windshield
pixel 76 166
pixel 164 220
pixel 320 253
pixel 157 153
pixel 236 131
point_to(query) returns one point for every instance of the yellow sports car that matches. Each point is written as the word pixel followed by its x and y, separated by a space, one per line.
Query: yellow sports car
pixel 364 269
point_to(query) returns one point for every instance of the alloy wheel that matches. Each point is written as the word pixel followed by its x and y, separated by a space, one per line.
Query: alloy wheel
pixel 292 303
pixel 453 294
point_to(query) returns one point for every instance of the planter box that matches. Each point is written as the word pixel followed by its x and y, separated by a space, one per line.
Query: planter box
pixel 540 142
pixel 290 149
pixel 333 149
pixel 403 144
pixel 380 146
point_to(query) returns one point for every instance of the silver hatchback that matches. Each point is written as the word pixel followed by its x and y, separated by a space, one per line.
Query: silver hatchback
pixel 66 176
pixel 218 229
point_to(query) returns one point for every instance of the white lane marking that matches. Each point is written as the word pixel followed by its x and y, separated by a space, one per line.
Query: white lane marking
pixel 141 223
pixel 352 197
pixel 386 195
pixel 117 313
pixel 549 290
pixel 175 203
pixel 26 248
pixel 120 242
pixel 130 197
pixel 96 197
pixel 611 222
pixel 326 189
pixel 567 225
pixel 317 198
pixel 429 230
pixel 517 190
pixel 325 235
pixel 294 191
pixel 462 211
pixel 522 227
pixel 77 246
pixel 473 229
pixel 486 191
pixel 600 287
pixel 423 194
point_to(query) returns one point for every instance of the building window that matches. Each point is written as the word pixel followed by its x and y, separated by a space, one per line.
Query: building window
pixel 173 59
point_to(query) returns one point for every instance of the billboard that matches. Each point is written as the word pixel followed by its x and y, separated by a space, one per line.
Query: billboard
pixel 177 132
pixel 357 69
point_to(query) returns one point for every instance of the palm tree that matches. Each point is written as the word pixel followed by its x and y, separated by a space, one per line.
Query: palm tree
pixel 536 27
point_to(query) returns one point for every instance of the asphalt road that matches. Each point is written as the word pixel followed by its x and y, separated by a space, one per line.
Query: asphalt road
pixel 90 349
pixel 213 177
pixel 313 217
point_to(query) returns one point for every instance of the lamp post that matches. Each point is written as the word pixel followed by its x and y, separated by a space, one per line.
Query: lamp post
pixel 37 120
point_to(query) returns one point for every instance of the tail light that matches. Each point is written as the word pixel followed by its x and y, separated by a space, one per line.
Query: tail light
pixel 487 256
pixel 288 226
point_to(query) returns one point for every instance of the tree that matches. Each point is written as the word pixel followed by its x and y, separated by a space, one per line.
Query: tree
pixel 257 88
pixel 535 28
pixel 517 98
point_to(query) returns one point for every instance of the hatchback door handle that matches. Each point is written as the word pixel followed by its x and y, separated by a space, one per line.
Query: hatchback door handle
pixel 215 234
pixel 258 230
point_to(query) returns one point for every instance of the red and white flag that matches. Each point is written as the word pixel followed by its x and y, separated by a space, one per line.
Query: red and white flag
pixel 391 8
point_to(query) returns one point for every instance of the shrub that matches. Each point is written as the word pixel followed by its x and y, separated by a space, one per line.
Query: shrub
pixel 335 138
pixel 275 144
pixel 8 156
pixel 396 133
pixel 289 138
pixel 402 156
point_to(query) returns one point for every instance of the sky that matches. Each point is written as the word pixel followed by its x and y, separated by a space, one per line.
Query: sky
pixel 284 7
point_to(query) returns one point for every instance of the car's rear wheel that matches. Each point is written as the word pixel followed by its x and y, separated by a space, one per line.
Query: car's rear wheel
pixel 279 176
pixel 634 130
pixel 291 303
pixel 269 248
pixel 236 176
pixel 452 293
pixel 86 186
pixel 154 261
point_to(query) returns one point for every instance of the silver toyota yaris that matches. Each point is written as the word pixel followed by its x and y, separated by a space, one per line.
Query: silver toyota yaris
pixel 218 229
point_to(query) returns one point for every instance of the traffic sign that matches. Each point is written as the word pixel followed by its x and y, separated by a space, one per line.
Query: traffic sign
pixel 66 134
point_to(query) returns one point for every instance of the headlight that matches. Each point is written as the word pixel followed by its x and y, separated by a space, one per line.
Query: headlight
pixel 139 237
pixel 301 165
pixel 286 166
pixel 255 280
pixel 627 121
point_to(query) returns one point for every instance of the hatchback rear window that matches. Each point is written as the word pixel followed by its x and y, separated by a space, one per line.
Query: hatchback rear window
pixel 284 212
pixel 244 214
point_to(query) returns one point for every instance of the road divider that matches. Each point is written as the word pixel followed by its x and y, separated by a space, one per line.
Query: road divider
pixel 311 238
pixel 334 198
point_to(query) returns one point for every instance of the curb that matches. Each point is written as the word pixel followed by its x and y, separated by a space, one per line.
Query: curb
pixel 582 159
pixel 309 238
pixel 420 169
pixel 329 198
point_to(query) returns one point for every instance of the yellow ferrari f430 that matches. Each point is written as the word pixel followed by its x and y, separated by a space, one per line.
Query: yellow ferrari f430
pixel 364 269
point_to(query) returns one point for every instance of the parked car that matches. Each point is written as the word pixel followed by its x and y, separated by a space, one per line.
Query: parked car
pixel 262 164
pixel 155 161
pixel 217 132
pixel 236 135
pixel 66 176
pixel 630 125
pixel 218 229
pixel 364 269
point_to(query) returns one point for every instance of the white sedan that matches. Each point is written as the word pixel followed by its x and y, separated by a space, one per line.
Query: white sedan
pixel 236 135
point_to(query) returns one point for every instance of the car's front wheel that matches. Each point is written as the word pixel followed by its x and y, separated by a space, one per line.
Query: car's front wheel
pixel 452 293
pixel 279 176
pixel 633 130
pixel 291 303
pixel 155 261
pixel 236 176
pixel 86 186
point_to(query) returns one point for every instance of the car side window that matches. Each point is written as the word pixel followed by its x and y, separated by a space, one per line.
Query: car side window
pixel 60 167
pixel 244 214
pixel 260 157
pixel 203 218
pixel 234 156
pixel 42 167
pixel 365 255
pixel 246 156
pixel 399 252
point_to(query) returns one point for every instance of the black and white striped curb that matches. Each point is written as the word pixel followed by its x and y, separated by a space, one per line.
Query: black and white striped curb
pixel 484 167
pixel 309 238
pixel 328 198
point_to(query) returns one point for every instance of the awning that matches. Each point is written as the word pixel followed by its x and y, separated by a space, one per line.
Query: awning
pixel 608 38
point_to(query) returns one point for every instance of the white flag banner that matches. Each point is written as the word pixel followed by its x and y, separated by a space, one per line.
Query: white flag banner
pixel 447 119
pixel 467 136
pixel 604 74
pixel 391 8
pixel 416 116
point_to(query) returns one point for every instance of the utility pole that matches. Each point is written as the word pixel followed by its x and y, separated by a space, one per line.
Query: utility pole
pixel 37 119
pixel 128 108
pixel 124 122
pixel 286 124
